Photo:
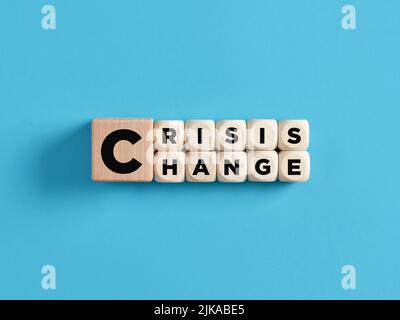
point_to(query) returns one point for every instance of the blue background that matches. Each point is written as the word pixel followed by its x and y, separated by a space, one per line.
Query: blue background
pixel 212 59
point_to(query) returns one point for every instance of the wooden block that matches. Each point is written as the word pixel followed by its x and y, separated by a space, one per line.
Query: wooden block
pixel 231 135
pixel 122 149
pixel 262 166
pixel 293 135
pixel 201 166
pixel 294 166
pixel 169 166
pixel 231 166
pixel 169 135
pixel 262 134
pixel 200 135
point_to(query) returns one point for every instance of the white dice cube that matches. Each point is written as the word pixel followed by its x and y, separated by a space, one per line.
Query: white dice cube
pixel 169 135
pixel 262 134
pixel 293 135
pixel 294 166
pixel 201 166
pixel 200 135
pixel 169 166
pixel 262 166
pixel 231 135
pixel 231 166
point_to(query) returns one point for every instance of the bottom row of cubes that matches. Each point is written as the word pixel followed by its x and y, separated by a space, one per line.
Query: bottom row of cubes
pixel 257 166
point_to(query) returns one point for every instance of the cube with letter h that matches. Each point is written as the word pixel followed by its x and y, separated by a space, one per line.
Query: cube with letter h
pixel 259 150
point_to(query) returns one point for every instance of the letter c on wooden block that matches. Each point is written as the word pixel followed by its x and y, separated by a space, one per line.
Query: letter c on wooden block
pixel 122 150
pixel 259 150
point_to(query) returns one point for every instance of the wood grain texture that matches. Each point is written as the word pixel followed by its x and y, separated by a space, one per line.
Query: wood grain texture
pixel 124 151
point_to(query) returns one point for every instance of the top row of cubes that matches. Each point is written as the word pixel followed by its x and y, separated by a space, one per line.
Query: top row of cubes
pixel 231 135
